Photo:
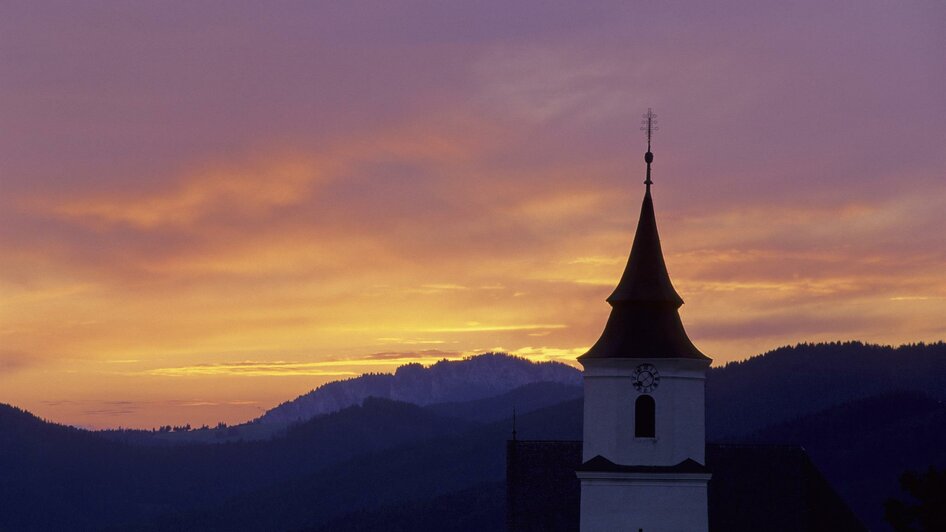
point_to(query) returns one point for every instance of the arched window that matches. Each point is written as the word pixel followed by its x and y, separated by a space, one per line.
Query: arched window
pixel 645 417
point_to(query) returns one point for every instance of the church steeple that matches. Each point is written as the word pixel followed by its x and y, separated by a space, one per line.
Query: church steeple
pixel 644 321
pixel 644 409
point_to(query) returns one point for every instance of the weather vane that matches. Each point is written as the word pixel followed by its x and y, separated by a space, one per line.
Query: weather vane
pixel 649 125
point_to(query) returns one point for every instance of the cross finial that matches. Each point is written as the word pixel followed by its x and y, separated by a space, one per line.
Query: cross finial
pixel 649 125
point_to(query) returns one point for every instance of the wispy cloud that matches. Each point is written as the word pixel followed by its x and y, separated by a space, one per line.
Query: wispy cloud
pixel 251 190
pixel 480 327
pixel 11 361
pixel 323 368
pixel 253 369
pixel 447 178
pixel 557 354
pixel 546 83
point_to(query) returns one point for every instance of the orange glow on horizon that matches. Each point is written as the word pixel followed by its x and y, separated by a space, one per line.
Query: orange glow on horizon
pixel 197 241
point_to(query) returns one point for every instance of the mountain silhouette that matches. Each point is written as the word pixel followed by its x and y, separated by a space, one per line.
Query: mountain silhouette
pixel 523 400
pixel 450 384
pixel 58 477
pixel 481 507
pixel 790 382
pixel 472 378
pixel 864 413
pixel 863 446
pixel 405 475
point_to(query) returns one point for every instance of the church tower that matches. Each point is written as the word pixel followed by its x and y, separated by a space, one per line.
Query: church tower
pixel 644 415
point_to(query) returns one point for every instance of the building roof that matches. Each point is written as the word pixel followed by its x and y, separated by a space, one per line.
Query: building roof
pixel 775 488
pixel 645 278
pixel 600 464
pixel 645 319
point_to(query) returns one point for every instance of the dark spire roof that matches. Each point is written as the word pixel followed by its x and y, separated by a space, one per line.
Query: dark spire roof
pixel 645 277
pixel 645 320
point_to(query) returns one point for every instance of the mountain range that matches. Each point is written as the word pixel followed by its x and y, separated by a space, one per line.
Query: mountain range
pixel 790 382
pixel 864 413
pixel 485 375
pixel 448 384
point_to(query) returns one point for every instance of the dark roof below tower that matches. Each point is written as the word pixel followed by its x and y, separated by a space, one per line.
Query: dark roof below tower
pixel 600 464
pixel 754 487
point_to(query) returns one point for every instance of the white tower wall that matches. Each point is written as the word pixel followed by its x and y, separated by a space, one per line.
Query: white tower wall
pixel 609 418
pixel 652 501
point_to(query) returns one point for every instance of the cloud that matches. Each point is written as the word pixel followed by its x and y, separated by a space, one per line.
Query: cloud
pixel 543 84
pixel 455 177
pixel 480 327
pixel 12 361
pixel 350 366
pixel 423 356
pixel 791 324
pixel 252 369
pixel 557 354
pixel 323 368
pixel 252 191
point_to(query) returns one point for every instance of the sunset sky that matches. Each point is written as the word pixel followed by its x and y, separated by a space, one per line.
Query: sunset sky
pixel 207 208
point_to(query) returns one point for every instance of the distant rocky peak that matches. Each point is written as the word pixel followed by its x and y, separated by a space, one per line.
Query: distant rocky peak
pixel 475 377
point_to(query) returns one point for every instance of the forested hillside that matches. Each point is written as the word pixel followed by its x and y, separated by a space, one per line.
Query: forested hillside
pixel 864 413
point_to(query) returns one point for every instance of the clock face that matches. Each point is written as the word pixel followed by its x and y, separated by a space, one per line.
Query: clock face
pixel 645 378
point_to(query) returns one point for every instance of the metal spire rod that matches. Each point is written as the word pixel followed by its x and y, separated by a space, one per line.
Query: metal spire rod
pixel 649 125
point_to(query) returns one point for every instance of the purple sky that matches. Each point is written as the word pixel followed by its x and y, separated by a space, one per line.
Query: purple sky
pixel 191 189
